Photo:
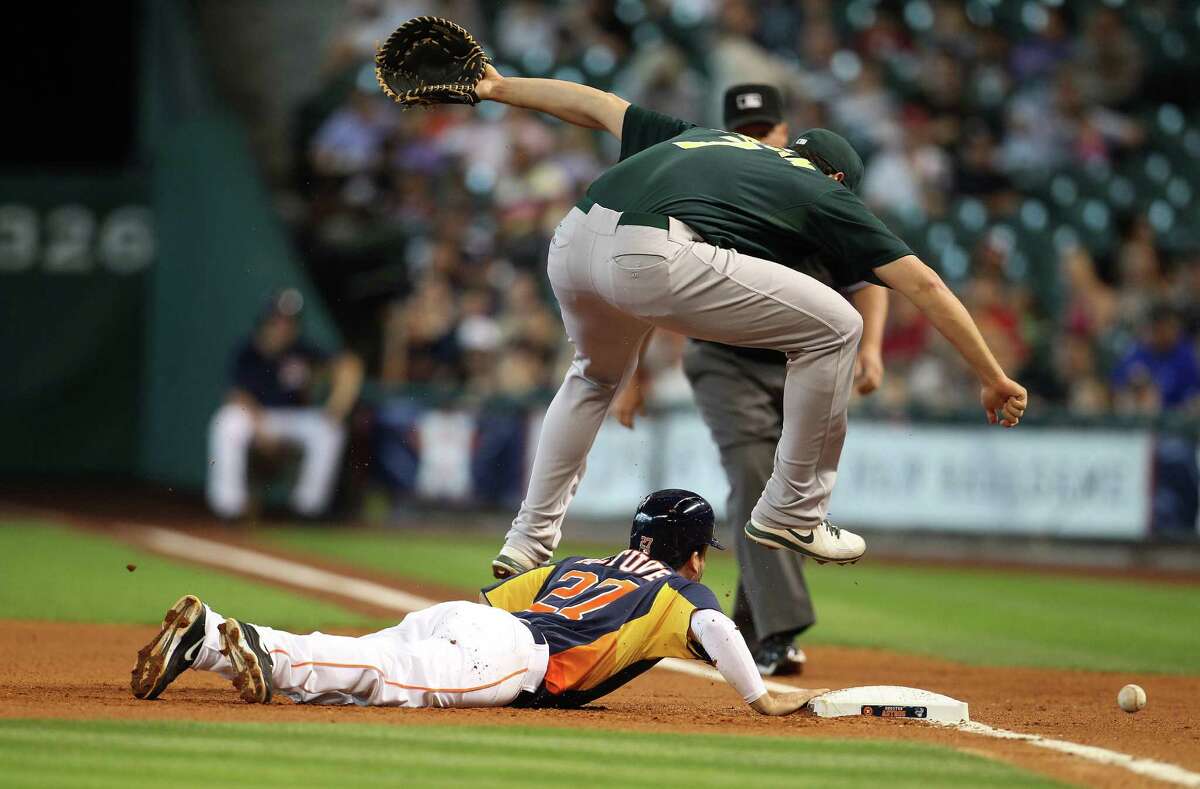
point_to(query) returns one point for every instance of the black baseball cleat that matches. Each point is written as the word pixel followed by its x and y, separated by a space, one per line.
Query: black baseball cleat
pixel 777 656
pixel 252 665
pixel 172 651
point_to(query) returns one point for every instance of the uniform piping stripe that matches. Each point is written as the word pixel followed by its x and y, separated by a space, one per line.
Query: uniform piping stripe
pixel 401 685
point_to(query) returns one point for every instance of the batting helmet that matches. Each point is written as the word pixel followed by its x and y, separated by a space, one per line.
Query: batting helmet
pixel 670 525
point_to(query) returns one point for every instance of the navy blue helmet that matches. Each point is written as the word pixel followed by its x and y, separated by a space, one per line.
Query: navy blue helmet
pixel 670 525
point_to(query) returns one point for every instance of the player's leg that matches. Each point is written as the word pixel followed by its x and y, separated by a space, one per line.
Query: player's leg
pixel 740 399
pixel 771 581
pixel 230 434
pixel 722 295
pixel 321 441
pixel 450 655
pixel 606 342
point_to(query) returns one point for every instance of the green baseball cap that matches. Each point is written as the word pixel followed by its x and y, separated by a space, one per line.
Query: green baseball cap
pixel 834 149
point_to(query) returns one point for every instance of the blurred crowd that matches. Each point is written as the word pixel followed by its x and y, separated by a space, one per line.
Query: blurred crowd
pixel 1016 146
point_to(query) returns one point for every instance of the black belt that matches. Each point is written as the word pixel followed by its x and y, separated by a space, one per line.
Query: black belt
pixel 659 221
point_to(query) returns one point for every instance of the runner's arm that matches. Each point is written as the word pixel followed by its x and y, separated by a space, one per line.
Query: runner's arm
pixel 724 644
pixel 569 101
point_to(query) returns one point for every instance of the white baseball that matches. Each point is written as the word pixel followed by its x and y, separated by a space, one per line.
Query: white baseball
pixel 1131 698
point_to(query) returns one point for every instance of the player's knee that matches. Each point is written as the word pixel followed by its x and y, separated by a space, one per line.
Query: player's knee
pixel 232 423
pixel 595 378
pixel 848 323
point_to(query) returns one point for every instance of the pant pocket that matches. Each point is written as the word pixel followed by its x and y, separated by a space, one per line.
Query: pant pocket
pixel 638 261
pixel 641 283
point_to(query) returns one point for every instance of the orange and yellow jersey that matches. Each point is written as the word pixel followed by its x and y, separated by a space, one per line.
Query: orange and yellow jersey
pixel 604 620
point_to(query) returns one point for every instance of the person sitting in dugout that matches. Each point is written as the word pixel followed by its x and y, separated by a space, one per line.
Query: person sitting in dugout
pixel 560 635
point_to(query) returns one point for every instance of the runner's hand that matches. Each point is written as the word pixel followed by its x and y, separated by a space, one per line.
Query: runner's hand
pixel 785 703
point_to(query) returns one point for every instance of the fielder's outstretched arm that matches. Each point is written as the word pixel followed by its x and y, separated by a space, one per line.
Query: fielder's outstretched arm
pixel 569 101
pixel 724 644
pixel 925 289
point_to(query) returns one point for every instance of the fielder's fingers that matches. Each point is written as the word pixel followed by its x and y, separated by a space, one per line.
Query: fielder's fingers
pixel 991 416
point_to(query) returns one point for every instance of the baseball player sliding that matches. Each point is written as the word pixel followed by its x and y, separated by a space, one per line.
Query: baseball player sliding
pixel 684 233
pixel 558 636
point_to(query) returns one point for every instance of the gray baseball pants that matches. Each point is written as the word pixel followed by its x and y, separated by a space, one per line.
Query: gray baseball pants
pixel 616 276
pixel 741 401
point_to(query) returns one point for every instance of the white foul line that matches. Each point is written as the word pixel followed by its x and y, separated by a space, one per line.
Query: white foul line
pixel 272 568
pixel 244 560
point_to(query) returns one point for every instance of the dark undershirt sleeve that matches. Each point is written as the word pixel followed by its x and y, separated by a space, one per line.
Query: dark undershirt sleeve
pixel 642 128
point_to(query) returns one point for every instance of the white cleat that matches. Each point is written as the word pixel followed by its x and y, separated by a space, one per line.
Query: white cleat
pixel 826 543
pixel 511 562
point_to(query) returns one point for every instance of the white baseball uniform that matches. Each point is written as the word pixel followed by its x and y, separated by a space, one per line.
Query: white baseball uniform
pixel 231 434
pixel 456 654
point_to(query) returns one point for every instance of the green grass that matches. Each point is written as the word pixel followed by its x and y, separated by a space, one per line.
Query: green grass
pixel 986 617
pixel 455 560
pixel 51 573
pixel 126 755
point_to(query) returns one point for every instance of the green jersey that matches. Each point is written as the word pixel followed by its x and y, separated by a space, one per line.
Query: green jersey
pixel 742 194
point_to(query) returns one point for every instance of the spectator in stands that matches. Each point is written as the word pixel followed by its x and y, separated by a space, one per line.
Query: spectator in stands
pixel 1140 281
pixel 1185 290
pixel 1039 56
pixel 1161 371
pixel 1110 60
pixel 351 140
pixel 268 408
pixel 995 304
pixel 1079 386
pixel 867 110
pixel 420 335
pixel 978 173
pixel 970 100
pixel 910 173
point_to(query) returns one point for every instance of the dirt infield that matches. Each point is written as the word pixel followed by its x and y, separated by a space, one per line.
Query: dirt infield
pixel 81 671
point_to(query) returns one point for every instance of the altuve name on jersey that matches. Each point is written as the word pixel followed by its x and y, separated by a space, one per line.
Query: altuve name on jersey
pixel 635 563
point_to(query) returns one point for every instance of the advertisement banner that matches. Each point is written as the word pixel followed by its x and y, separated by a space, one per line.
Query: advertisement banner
pixel 1052 482
pixel 1034 481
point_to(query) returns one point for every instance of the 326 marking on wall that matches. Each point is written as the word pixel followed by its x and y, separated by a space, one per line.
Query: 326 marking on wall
pixel 73 239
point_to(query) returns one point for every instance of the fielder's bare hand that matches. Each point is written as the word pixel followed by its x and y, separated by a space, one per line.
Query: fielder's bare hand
pixel 1006 396
pixel 630 403
pixel 486 86
pixel 785 703
pixel 868 371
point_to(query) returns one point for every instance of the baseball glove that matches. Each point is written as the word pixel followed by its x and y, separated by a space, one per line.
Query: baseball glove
pixel 430 60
